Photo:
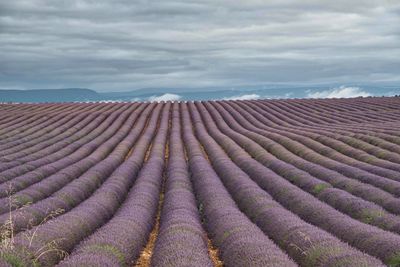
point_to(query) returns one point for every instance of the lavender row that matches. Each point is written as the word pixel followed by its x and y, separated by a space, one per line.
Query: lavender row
pixel 66 231
pixel 276 117
pixel 26 119
pixel 64 133
pixel 302 109
pixel 385 245
pixel 239 241
pixel 30 133
pixel 299 115
pixel 369 154
pixel 293 120
pixel 375 128
pixel 72 190
pixel 62 129
pixel 48 155
pixel 305 243
pixel 49 146
pixel 294 117
pixel 322 116
pixel 358 149
pixel 120 241
pixel 355 207
pixel 181 240
pixel 317 165
pixel 326 156
pixel 346 159
pixel 37 123
pixel 377 142
pixel 51 168
pixel 30 120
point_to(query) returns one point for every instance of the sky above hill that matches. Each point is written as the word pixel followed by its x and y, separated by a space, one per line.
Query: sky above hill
pixel 125 45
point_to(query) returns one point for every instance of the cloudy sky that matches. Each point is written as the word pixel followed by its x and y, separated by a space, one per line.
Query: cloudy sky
pixel 125 45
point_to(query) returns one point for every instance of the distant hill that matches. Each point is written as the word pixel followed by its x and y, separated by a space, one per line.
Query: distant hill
pixel 190 94
pixel 49 95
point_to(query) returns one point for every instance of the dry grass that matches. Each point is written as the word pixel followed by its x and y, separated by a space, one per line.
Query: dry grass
pixel 7 229
pixel 204 152
pixel 213 252
pixel 147 155
pixel 7 234
pixel 166 155
pixel 129 153
pixel 145 257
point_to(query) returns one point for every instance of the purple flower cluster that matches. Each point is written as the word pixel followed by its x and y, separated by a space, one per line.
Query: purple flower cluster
pixel 324 165
pixel 35 121
pixel 66 127
pixel 287 182
pixel 343 201
pixel 307 244
pixel 67 230
pixel 84 184
pixel 41 163
pixel 119 241
pixel 181 240
pixel 37 157
pixel 386 245
pixel 240 242
pixel 353 155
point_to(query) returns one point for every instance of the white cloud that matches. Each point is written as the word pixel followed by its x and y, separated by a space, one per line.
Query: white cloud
pixel 287 95
pixel 341 92
pixel 110 101
pixel 390 93
pixel 119 46
pixel 164 97
pixel 243 97
pixel 284 96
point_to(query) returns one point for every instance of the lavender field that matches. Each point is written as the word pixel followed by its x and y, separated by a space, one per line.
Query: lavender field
pixel 294 182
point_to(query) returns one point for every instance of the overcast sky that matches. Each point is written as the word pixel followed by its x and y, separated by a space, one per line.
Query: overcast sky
pixel 125 45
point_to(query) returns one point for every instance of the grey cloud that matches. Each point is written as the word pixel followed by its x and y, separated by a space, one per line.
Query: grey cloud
pixel 123 45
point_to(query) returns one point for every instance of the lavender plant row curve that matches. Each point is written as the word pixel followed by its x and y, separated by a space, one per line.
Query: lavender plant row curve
pixel 286 182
